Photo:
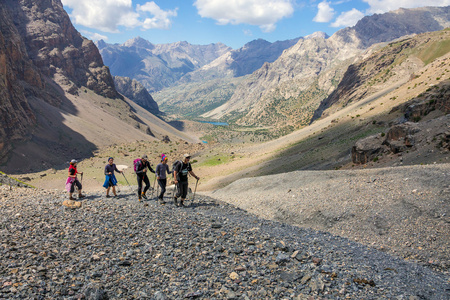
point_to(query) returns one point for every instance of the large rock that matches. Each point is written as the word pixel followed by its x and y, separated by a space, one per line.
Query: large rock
pixel 367 149
pixel 401 137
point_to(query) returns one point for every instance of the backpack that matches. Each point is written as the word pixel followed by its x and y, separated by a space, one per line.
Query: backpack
pixel 175 163
pixel 136 163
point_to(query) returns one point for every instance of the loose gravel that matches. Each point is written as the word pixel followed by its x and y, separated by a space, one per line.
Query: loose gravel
pixel 119 248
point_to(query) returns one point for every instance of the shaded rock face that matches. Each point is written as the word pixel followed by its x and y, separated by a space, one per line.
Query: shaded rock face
pixel 135 91
pixel 17 73
pixel 56 47
pixel 436 98
pixel 399 138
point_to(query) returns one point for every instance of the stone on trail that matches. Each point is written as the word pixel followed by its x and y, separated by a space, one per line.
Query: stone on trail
pixel 72 204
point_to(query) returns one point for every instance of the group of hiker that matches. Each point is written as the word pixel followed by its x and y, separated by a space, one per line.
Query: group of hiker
pixel 180 171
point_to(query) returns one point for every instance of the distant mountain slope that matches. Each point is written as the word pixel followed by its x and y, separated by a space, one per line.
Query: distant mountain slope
pixel 396 63
pixel 136 92
pixel 240 62
pixel 290 89
pixel 157 66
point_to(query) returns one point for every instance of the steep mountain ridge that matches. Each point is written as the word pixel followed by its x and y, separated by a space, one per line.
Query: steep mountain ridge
pixel 240 62
pixel 58 99
pixel 316 65
pixel 157 66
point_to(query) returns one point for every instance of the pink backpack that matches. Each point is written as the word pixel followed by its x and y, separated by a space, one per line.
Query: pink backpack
pixel 136 163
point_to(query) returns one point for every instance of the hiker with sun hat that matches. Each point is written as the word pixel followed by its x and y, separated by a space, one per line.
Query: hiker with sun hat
pixel 162 169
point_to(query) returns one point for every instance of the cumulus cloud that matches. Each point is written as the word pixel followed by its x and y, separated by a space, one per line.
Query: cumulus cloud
pixel 381 6
pixel 325 13
pixel 348 18
pixel 94 36
pixel 262 13
pixel 109 15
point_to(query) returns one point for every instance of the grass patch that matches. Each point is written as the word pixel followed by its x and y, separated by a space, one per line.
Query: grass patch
pixel 215 161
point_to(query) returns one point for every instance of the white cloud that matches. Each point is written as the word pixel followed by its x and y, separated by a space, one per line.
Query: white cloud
pixel 94 36
pixel 262 13
pixel 348 18
pixel 109 15
pixel 325 13
pixel 381 6
pixel 248 32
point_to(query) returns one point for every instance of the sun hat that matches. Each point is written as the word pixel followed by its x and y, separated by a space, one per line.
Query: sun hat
pixel 144 156
pixel 73 161
pixel 186 155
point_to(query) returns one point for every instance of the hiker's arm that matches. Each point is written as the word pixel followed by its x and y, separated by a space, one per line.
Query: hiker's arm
pixel 193 174
pixel 150 168
pixel 175 180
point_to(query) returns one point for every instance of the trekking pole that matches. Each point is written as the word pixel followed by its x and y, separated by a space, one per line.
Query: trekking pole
pixel 126 181
pixel 153 189
pixel 193 197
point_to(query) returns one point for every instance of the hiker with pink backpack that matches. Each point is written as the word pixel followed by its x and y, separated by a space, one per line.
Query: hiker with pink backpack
pixel 141 165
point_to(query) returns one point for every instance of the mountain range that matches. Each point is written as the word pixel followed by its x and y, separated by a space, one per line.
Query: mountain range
pixel 58 99
pixel 276 85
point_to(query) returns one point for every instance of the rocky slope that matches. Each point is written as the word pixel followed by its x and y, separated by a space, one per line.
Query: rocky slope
pixel 394 64
pixel 135 91
pixel 210 250
pixel 315 67
pixel 157 66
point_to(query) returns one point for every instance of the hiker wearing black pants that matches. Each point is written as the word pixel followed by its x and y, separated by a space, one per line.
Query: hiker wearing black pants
pixel 141 167
pixel 180 173
pixel 161 170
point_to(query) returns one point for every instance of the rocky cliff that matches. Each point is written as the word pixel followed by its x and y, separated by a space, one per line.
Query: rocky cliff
pixel 16 73
pixel 157 66
pixel 57 48
pixel 42 56
pixel 135 91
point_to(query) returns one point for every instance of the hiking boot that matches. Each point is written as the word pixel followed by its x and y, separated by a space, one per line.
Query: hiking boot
pixel 140 199
pixel 181 204
pixel 144 196
pixel 71 198
pixel 81 196
pixel 108 196
pixel 175 201
pixel 161 201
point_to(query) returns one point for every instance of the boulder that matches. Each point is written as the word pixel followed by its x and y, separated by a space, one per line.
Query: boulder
pixel 401 137
pixel 367 149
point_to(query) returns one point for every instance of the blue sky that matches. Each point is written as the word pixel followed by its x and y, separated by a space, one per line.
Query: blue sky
pixel 232 22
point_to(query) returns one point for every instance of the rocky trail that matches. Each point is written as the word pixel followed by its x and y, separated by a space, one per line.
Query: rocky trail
pixel 119 248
